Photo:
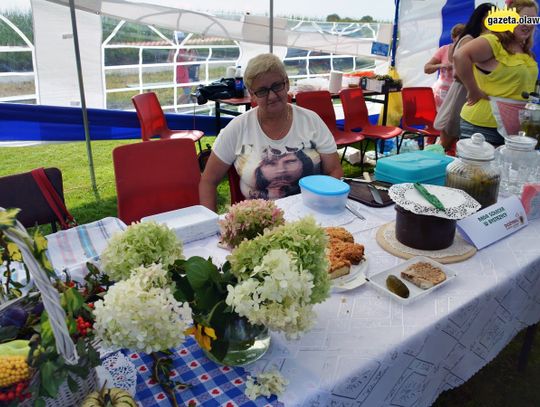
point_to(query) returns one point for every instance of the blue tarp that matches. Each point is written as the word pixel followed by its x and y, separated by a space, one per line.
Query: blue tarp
pixel 20 122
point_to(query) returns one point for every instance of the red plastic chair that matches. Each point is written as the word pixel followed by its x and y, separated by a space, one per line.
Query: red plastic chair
pixel 357 119
pixel 234 186
pixel 155 177
pixel 153 122
pixel 419 111
pixel 320 102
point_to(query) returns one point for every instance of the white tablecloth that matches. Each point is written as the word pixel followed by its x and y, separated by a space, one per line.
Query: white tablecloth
pixel 369 350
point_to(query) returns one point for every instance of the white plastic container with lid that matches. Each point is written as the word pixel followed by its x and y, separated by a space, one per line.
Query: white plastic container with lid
pixel 324 193
pixel 189 224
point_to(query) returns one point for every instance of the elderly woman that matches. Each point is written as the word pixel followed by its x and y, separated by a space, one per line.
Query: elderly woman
pixel 496 64
pixel 273 145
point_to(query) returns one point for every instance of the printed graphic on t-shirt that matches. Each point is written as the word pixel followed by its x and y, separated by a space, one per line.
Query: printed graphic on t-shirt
pixel 273 173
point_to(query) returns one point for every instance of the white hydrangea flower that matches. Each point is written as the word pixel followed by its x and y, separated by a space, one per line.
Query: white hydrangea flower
pixel 277 294
pixel 140 244
pixel 141 313
pixel 266 384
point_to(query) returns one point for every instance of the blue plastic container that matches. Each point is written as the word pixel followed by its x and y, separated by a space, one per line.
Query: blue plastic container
pixel 324 193
pixel 417 166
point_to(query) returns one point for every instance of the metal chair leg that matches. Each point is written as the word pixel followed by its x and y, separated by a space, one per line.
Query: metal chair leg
pixel 343 155
pixel 526 347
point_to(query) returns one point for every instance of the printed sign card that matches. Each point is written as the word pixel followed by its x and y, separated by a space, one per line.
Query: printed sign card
pixel 379 48
pixel 494 222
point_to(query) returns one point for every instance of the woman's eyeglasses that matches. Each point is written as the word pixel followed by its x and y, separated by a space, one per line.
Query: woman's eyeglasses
pixel 276 87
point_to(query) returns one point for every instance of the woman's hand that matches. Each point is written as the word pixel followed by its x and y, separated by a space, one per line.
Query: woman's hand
pixel 475 95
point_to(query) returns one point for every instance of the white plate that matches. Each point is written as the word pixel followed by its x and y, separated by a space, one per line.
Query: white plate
pixel 354 279
pixel 379 280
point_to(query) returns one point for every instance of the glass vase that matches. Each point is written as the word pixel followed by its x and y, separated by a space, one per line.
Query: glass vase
pixel 247 343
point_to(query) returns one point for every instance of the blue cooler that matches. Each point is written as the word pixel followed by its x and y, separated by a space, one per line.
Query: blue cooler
pixel 418 166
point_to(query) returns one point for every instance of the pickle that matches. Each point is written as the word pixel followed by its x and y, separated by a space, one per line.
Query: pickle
pixel 397 286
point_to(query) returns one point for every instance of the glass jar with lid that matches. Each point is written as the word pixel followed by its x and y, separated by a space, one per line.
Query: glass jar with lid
pixel 473 171
pixel 529 118
pixel 517 161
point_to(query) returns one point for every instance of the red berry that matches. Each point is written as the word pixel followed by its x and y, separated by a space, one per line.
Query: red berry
pixel 11 395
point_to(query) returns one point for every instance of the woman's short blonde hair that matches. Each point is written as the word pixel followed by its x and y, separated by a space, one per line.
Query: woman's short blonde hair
pixel 263 64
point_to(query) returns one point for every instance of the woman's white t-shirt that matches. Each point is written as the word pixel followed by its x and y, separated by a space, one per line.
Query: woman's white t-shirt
pixel 270 169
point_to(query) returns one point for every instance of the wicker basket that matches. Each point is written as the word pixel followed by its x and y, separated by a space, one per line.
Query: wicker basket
pixel 65 397
pixel 64 344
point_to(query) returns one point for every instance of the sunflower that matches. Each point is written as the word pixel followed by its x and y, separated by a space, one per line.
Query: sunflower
pixel 203 335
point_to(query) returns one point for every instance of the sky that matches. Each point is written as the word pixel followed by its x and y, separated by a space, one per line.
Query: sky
pixel 378 9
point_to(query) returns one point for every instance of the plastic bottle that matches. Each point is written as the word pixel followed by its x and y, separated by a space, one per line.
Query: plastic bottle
pixel 238 83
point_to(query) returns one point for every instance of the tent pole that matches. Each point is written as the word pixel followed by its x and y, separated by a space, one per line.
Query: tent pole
pixel 394 35
pixel 271 40
pixel 83 98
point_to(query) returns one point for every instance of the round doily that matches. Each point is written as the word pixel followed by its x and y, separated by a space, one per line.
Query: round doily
pixel 118 371
pixel 459 251
pixel 457 203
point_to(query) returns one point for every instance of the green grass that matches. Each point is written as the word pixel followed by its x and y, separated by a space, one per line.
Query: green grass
pixel 499 384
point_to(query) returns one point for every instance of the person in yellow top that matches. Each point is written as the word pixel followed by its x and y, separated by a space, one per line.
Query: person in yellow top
pixel 496 64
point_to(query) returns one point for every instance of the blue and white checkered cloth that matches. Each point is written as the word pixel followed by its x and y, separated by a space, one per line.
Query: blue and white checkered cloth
pixel 212 385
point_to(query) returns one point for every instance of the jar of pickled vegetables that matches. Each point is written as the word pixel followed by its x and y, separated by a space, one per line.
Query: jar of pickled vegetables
pixel 474 171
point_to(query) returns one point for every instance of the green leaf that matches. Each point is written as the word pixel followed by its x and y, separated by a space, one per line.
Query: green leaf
pixel 93 357
pixel 177 268
pixel 184 292
pixel 81 371
pixel 432 199
pixel 40 403
pixel 73 387
pixel 206 298
pixel 49 378
pixel 72 326
pixel 74 300
pixel 198 271
pixel 47 337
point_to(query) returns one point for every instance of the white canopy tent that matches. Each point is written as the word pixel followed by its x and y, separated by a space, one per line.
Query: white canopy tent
pixel 421 26
pixel 55 40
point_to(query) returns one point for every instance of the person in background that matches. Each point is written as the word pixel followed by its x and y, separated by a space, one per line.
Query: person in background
pixel 272 145
pixel 442 62
pixel 182 71
pixel 193 69
pixel 447 120
pixel 496 64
